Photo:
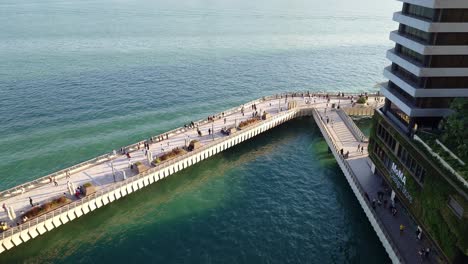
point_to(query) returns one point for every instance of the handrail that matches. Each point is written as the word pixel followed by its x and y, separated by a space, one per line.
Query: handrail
pixel 158 167
pixel 358 185
pixel 19 189
pixel 163 165
pixel 352 126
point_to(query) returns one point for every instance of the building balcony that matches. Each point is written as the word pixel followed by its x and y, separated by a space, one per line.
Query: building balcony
pixel 427 25
pixel 419 70
pixel 424 49
pixel 409 108
pixel 412 88
pixel 438 3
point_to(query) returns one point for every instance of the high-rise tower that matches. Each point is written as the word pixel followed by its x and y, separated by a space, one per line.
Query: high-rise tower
pixel 428 71
pixel 429 62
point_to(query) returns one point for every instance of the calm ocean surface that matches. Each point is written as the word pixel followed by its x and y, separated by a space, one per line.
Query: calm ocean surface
pixel 79 78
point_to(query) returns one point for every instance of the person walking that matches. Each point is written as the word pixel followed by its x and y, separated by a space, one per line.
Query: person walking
pixel 358 147
pixel 362 149
pixel 55 182
pixel 402 228
pixel 224 120
pixel 31 202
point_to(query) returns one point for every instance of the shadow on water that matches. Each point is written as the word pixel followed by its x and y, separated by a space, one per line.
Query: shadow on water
pixel 282 190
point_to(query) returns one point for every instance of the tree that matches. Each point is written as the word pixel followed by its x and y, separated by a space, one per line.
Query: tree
pixel 456 133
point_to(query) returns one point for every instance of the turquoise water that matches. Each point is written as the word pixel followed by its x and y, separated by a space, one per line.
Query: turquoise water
pixel 278 199
pixel 80 78
pixel 364 124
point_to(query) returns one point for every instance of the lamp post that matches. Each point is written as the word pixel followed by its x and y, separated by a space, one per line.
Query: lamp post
pixel 113 172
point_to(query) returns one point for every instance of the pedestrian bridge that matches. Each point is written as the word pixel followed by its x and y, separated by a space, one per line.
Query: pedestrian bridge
pixel 113 178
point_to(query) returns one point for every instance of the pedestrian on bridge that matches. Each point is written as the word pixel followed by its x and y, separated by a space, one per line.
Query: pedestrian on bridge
pixel 31 202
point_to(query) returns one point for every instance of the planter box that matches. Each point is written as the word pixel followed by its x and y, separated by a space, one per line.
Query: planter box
pixel 139 168
pixel 194 145
pixel 88 190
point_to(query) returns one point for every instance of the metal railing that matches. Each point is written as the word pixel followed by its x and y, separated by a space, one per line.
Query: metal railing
pixel 352 126
pixel 134 147
pixel 357 184
pixel 117 185
pixel 19 189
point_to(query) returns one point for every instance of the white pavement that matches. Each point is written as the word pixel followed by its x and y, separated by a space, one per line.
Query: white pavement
pixel 101 175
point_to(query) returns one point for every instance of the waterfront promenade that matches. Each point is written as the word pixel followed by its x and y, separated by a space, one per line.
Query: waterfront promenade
pixel 340 133
pixel 113 178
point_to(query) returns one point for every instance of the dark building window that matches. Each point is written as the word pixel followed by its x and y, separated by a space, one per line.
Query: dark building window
pixel 415 33
pixel 409 54
pixel 416 170
pixel 447 39
pixel 446 82
pixel 433 102
pixel 419 11
pixel 407 98
pixel 398 113
pixel 405 75
pixel 380 153
pixel 386 137
pixel 427 122
pixel 448 61
pixel 454 15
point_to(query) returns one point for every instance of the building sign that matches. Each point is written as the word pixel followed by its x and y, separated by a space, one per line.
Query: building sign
pixel 400 180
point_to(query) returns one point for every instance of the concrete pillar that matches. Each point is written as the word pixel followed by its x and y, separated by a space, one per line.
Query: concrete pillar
pixel 135 186
pixel 49 225
pixel 129 188
pixel 78 213
pixel 92 206
pixel 24 236
pixel 99 202
pixel 84 209
pixel 41 228
pixel 32 232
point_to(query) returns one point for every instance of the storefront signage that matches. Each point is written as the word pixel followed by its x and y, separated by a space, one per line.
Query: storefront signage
pixel 400 180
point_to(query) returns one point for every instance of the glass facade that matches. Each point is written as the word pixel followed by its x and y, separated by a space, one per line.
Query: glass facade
pixel 448 61
pixel 414 33
pixel 451 39
pixel 454 15
pixel 409 54
pixel 446 82
pixel 419 11
pixel 398 113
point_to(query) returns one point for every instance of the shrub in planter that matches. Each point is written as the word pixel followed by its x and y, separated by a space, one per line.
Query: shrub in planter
pixel 139 167
pixel 171 154
pixel 194 144
pixel 88 189
pixel 46 207
pixel 248 122
pixel 361 100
